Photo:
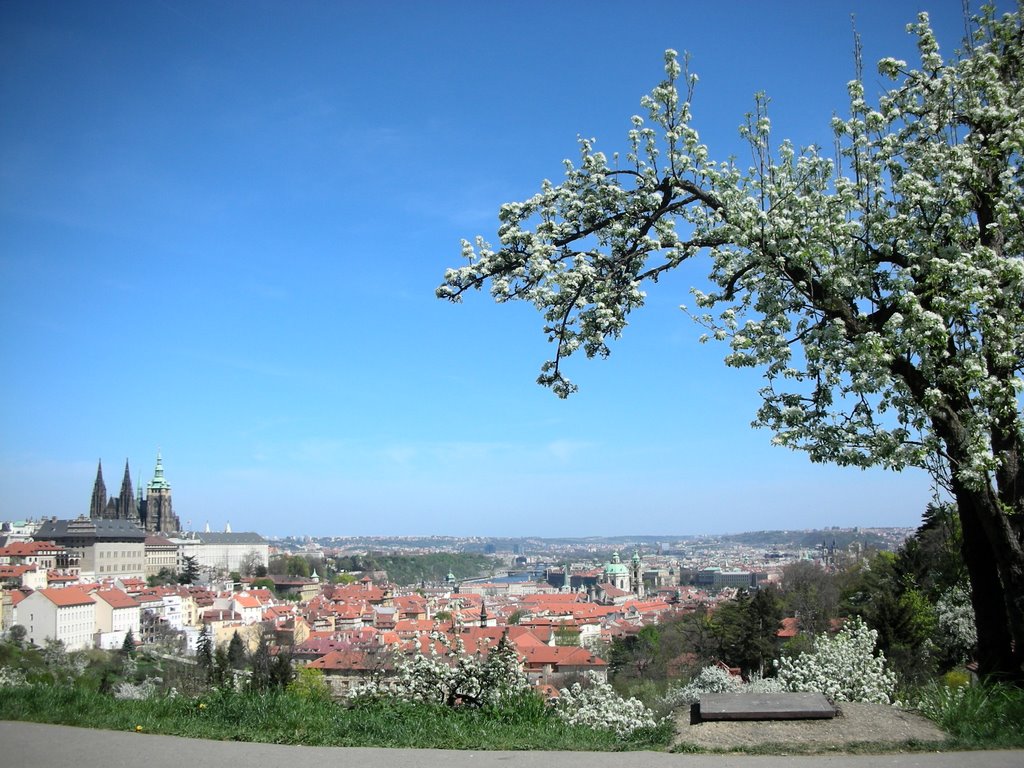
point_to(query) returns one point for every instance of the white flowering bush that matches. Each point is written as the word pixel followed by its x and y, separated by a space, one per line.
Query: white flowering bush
pixel 136 691
pixel 714 679
pixel 62 664
pixel 12 678
pixel 843 667
pixel 764 685
pixel 956 632
pixel 598 706
pixel 453 677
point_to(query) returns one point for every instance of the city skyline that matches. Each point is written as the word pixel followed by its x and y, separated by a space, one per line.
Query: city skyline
pixel 221 231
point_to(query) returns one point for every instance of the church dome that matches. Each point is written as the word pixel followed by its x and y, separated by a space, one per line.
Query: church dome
pixel 615 567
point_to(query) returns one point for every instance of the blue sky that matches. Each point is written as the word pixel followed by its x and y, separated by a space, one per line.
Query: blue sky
pixel 222 224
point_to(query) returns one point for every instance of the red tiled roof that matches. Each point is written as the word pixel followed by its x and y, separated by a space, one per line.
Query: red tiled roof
pixel 11 571
pixel 349 659
pixel 59 578
pixel 562 656
pixel 246 601
pixel 115 598
pixel 790 628
pixel 29 548
pixel 67 597
pixel 560 598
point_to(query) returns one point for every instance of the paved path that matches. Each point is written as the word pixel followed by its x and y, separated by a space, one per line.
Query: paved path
pixel 32 745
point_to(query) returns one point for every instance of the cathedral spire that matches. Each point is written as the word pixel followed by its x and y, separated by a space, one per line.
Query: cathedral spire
pixel 160 515
pixel 159 482
pixel 126 501
pixel 99 494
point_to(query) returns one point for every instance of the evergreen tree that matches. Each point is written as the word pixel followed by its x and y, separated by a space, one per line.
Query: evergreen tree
pixel 204 654
pixel 236 651
pixel 128 646
pixel 261 666
pixel 281 671
pixel 190 571
pixel 221 671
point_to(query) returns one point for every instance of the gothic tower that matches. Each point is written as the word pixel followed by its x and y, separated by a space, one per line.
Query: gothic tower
pixel 99 495
pixel 140 506
pixel 126 509
pixel 159 514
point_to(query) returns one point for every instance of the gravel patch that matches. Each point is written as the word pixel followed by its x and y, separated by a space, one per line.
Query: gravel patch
pixel 855 723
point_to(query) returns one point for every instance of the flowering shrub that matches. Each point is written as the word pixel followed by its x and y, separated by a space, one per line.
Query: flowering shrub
pixel 711 679
pixel 454 677
pixel 843 667
pixel 597 706
pixel 957 634
pixel 12 678
pixel 135 691
pixel 62 664
pixel 714 679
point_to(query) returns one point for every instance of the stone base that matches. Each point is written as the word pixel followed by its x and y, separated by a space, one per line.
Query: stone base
pixel 765 706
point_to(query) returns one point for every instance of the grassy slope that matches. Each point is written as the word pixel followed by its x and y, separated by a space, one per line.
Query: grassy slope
pixel 282 718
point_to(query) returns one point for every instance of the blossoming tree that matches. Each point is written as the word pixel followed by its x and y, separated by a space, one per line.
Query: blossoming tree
pixel 881 292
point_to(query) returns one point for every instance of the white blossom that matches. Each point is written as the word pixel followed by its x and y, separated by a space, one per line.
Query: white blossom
pixel 956 631
pixel 844 667
pixel 878 287
pixel 596 705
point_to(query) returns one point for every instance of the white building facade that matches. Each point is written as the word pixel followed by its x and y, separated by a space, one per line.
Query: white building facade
pixel 67 614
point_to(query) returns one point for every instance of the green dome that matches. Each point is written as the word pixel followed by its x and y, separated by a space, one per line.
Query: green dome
pixel 615 566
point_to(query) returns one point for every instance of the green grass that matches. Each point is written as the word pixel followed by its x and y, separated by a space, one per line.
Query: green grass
pixel 977 716
pixel 974 717
pixel 284 718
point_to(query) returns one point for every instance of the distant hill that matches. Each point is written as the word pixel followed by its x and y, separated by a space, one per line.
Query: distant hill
pixel 869 538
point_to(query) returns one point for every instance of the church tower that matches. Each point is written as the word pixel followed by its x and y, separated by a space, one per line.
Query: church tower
pixel 159 514
pixel 636 575
pixel 99 495
pixel 126 509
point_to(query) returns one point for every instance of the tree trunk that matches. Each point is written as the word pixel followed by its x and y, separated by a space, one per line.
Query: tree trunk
pixel 995 564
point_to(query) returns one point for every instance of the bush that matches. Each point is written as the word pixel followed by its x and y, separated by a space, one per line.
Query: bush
pixel 956 633
pixel 597 706
pixel 714 679
pixel 711 679
pixel 843 667
pixel 454 678
pixel 309 684
pixel 956 678
pixel 136 691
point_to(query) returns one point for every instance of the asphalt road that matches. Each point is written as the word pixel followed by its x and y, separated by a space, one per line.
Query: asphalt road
pixel 32 745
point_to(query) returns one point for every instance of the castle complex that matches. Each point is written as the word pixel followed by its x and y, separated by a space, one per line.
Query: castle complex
pixel 152 512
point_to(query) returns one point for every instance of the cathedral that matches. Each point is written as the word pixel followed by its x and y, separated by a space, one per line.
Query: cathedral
pixel 152 512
